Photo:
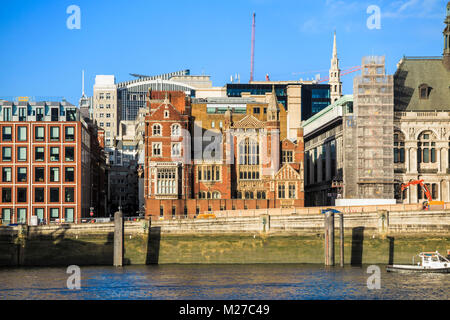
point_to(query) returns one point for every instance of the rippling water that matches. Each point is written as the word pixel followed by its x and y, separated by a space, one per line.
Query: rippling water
pixel 270 282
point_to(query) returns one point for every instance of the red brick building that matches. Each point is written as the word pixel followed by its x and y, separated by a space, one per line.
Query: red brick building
pixel 193 167
pixel 48 156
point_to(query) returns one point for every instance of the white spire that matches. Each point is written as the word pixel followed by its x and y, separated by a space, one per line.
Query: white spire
pixel 335 75
pixel 82 83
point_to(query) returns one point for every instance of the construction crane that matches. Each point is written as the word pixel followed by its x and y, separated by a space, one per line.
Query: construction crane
pixel 252 62
pixel 430 202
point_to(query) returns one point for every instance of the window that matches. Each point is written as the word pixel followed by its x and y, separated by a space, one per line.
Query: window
pixel 292 194
pixel 70 133
pixel 176 150
pixel 54 194
pixel 209 173
pixel 68 214
pixel 70 153
pixel 6 216
pixel 249 152
pixel 21 174
pixel 256 110
pixel 21 153
pixel 7 114
pixel 54 114
pixel 261 195
pixel 54 214
pixel 7 134
pixel 399 148
pixel 39 154
pixel 6 174
pixel 156 130
pixel 156 149
pixel 69 174
pixel 39 114
pixel 426 151
pixel 54 133
pixel 21 194
pixel 69 194
pixel 54 174
pixel 176 130
pixel 54 154
pixel 6 154
pixel 166 181
pixel 288 156
pixel 424 91
pixel 21 133
pixel 39 195
pixel 281 191
pixel 6 195
pixel 174 211
pixel 22 216
pixel 161 211
pixel 39 133
pixel 39 212
pixel 39 174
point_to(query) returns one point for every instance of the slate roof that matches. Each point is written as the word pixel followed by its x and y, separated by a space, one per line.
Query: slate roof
pixel 413 72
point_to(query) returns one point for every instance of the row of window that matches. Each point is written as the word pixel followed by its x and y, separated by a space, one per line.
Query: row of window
pixel 209 195
pixel 21 218
pixel 157 149
pixel 250 195
pixel 39 154
pixel 39 133
pixel 209 173
pixel 39 174
pixel 291 194
pixel 175 130
pixel 55 113
pixel 39 195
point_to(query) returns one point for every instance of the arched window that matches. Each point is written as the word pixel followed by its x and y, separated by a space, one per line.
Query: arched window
pixel 426 151
pixel 176 130
pixel 216 195
pixel 156 129
pixel 399 147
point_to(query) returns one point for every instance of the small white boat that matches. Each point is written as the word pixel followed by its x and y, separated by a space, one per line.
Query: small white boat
pixel 430 262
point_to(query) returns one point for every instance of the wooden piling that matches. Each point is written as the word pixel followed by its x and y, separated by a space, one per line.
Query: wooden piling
pixel 118 239
pixel 341 238
pixel 329 238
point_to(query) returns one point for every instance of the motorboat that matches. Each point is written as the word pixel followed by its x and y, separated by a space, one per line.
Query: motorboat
pixel 429 262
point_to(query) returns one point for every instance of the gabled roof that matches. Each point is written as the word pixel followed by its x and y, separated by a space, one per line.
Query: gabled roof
pixel 287 173
pixel 414 72
pixel 249 122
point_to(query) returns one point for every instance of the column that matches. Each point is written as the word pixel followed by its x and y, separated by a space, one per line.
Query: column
pixel 439 160
pixel 328 161
pixel 319 164
pixel 413 159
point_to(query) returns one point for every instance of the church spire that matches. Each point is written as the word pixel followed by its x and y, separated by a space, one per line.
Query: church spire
pixel 335 75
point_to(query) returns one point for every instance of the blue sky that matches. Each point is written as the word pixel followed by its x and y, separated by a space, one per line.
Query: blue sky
pixel 40 56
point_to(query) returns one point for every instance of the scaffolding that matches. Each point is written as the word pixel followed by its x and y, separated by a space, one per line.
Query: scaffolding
pixel 368 135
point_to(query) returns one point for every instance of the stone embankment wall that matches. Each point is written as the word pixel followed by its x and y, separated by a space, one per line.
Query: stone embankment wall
pixel 378 237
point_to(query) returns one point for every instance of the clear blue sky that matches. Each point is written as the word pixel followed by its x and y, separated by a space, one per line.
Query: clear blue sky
pixel 40 56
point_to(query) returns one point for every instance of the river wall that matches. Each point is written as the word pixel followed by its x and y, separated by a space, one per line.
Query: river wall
pixel 369 238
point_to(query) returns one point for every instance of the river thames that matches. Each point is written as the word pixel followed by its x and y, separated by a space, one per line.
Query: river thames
pixel 211 282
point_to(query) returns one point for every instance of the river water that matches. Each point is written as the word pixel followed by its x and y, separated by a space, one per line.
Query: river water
pixel 211 282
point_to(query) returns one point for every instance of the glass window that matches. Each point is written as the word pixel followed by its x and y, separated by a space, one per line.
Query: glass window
pixel 39 114
pixel 39 212
pixel 39 133
pixel 21 174
pixel 54 133
pixel 69 174
pixel 6 215
pixel 21 194
pixel 39 154
pixel 54 214
pixel 21 133
pixel 54 174
pixel 156 130
pixel 281 191
pixel 69 194
pixel 39 174
pixel 156 149
pixel 70 133
pixel 7 134
pixel 71 114
pixel 70 154
pixel 22 114
pixel 22 215
pixel 54 154
pixel 68 214
pixel 6 174
pixel 54 194
pixel 39 195
pixel 22 154
pixel 6 153
pixel 6 195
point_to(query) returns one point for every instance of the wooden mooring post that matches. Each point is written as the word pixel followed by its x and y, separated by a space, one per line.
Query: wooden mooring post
pixel 118 238
pixel 329 238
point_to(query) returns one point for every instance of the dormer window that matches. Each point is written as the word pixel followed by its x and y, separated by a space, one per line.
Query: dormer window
pixel 424 91
pixel 166 113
